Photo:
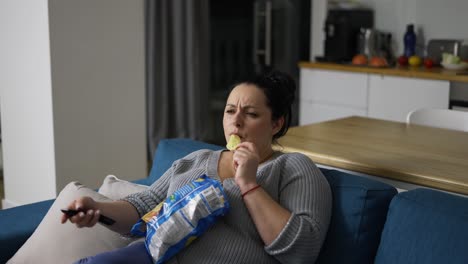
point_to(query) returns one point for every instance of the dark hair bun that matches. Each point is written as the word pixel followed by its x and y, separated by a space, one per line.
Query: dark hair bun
pixel 279 89
pixel 283 85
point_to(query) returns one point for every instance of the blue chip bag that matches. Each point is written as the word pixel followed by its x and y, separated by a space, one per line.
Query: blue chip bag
pixel 182 217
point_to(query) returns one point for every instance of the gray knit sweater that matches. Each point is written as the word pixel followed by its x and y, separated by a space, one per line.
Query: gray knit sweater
pixel 290 179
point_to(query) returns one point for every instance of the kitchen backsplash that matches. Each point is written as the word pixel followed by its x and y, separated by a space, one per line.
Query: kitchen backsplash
pixel 433 19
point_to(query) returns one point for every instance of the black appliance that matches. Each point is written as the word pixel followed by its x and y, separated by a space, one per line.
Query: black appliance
pixel 342 28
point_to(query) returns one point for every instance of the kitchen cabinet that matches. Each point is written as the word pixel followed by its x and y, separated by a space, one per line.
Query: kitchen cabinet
pixel 326 95
pixel 329 94
pixel 392 98
pixel 319 112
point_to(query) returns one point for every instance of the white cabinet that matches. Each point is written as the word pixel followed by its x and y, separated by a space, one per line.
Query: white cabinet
pixel 326 95
pixel 337 88
pixel 392 98
pixel 316 112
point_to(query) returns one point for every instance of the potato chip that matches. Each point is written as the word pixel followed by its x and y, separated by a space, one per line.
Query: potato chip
pixel 234 140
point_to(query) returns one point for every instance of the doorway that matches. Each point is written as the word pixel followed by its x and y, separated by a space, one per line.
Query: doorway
pixel 248 37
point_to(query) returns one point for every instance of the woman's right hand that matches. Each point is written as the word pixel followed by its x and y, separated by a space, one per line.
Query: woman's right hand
pixel 88 215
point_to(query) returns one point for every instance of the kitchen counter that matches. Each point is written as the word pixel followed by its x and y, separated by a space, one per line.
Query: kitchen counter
pixel 436 73
pixel 420 155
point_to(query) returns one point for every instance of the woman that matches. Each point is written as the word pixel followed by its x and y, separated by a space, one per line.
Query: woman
pixel 280 203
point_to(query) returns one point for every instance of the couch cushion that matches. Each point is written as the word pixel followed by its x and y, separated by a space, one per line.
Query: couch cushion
pixel 170 150
pixel 425 226
pixel 359 211
pixel 53 242
pixel 115 188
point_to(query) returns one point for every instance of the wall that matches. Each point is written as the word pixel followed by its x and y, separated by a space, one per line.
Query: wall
pixel 25 101
pixel 434 19
pixel 319 14
pixel 72 94
pixel 98 76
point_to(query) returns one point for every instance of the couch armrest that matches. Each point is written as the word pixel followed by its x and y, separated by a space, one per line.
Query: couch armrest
pixel 17 224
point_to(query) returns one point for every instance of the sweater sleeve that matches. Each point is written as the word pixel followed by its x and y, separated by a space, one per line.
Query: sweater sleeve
pixel 146 200
pixel 158 191
pixel 305 192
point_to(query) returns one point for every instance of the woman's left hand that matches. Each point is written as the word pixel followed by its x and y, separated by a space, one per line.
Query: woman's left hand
pixel 245 162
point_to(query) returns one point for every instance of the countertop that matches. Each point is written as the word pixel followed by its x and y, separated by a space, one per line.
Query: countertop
pixel 421 155
pixel 436 73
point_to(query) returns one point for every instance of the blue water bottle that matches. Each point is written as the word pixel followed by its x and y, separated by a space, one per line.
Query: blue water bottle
pixel 410 41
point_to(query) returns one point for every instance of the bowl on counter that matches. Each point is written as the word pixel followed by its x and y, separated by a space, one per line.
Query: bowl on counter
pixel 459 66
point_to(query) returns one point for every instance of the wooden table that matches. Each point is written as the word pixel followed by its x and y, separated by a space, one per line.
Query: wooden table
pixel 414 154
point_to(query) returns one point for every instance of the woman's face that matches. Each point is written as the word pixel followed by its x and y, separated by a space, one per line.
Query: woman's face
pixel 248 116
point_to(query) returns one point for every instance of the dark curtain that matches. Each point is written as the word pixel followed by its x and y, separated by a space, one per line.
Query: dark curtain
pixel 177 69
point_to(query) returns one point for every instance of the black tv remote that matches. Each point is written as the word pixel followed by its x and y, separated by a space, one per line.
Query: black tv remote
pixel 102 218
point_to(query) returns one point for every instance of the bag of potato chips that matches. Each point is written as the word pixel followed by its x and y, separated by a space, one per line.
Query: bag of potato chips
pixel 182 217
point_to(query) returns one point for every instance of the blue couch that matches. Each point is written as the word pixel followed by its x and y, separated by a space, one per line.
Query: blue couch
pixel 371 223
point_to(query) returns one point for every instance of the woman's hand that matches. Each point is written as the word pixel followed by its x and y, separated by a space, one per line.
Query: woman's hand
pixel 245 162
pixel 88 215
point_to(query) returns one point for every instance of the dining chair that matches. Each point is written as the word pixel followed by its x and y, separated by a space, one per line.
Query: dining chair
pixel 442 118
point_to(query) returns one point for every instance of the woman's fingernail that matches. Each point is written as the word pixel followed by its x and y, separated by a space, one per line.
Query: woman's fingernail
pixel 81 214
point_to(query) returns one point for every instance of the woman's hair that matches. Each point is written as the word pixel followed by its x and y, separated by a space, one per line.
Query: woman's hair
pixel 279 89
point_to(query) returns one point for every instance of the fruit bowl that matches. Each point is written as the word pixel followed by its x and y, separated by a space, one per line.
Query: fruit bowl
pixel 458 66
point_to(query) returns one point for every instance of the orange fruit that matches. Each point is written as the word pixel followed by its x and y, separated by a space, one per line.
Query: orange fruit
pixel 359 59
pixel 378 62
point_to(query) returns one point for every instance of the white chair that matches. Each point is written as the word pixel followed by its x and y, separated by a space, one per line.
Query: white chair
pixel 442 118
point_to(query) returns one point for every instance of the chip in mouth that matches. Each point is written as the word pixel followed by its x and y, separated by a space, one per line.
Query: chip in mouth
pixel 234 140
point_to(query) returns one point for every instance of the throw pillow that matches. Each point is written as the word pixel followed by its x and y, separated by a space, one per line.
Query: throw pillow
pixel 115 188
pixel 53 242
pixel 358 216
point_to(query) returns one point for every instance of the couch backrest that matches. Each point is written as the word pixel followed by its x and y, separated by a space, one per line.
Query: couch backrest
pixel 359 212
pixel 359 205
pixel 170 150
pixel 425 226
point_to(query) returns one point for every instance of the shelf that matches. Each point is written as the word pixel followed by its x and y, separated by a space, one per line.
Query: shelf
pixel 435 73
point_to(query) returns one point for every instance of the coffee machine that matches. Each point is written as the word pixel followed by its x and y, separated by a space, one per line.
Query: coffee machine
pixel 342 28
